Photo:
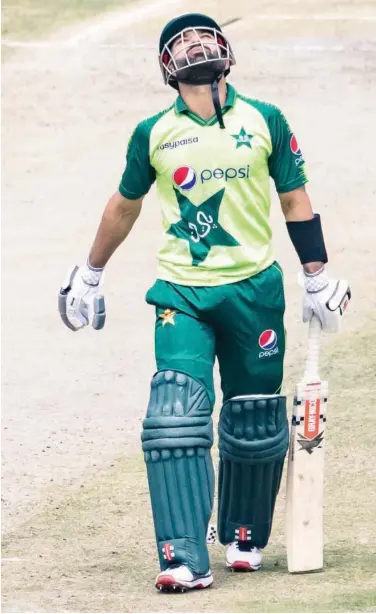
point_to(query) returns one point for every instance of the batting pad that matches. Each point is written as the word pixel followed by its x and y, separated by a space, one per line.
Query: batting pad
pixel 176 440
pixel 253 441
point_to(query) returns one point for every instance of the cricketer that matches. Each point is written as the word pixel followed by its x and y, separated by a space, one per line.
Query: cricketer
pixel 219 293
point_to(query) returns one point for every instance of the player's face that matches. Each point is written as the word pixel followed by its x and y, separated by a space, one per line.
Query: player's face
pixel 192 44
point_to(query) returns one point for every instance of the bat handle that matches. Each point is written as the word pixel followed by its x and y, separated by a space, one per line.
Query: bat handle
pixel 313 355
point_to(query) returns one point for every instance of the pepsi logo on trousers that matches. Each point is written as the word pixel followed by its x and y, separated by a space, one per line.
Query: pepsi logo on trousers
pixel 268 343
pixel 268 339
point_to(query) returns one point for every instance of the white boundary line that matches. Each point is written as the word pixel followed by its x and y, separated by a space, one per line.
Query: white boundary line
pixel 115 21
pixel 323 17
pixel 95 32
pixel 61 45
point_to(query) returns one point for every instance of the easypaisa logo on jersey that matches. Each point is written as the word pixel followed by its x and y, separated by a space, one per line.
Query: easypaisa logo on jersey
pixel 179 143
pixel 268 343
pixel 185 177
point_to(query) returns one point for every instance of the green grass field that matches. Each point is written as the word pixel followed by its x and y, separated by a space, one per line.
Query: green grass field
pixel 94 551
pixel 29 19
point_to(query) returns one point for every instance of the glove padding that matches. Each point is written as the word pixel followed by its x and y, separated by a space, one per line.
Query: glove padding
pixel 80 303
pixel 326 298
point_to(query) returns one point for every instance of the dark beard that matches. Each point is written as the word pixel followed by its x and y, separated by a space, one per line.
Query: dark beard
pixel 201 74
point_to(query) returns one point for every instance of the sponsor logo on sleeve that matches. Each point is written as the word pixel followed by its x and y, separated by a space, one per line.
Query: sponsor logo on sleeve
pixel 294 146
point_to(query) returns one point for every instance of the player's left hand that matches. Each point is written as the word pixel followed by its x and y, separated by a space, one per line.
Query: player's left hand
pixel 326 298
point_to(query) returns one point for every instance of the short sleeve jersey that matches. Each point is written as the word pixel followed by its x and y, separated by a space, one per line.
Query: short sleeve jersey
pixel 214 186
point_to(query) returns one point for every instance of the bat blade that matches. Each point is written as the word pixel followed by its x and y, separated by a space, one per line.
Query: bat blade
pixel 305 478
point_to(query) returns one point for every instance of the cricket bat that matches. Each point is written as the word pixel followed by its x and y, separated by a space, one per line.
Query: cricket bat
pixel 305 472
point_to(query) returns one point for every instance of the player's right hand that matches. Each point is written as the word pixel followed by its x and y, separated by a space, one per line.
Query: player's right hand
pixel 326 298
pixel 80 302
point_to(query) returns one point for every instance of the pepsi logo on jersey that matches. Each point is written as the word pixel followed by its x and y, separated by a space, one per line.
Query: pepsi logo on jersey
pixel 185 177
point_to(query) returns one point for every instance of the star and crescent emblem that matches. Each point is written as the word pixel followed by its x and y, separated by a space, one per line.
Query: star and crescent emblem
pixel 199 225
pixel 168 317
pixel 243 138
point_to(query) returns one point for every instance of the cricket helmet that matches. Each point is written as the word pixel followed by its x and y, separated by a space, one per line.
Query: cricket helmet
pixel 209 65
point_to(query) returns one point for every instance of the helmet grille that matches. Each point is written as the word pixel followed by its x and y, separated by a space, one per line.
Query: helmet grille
pixel 174 66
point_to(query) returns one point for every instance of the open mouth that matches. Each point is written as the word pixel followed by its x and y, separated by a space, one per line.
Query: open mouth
pixel 200 47
pixel 200 50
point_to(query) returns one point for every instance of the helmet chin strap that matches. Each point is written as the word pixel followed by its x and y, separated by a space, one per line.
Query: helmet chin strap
pixel 210 74
pixel 217 102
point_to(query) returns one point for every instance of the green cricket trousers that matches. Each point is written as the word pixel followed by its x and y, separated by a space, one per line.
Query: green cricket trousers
pixel 240 323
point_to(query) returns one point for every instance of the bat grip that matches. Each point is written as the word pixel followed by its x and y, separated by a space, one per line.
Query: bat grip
pixel 313 355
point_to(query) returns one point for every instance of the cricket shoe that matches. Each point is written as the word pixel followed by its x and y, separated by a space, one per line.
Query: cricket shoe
pixel 243 560
pixel 179 578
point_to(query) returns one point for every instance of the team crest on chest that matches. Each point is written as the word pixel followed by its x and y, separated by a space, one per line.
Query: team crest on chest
pixel 243 138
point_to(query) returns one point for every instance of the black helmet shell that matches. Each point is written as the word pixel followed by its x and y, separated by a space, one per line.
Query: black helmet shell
pixel 189 20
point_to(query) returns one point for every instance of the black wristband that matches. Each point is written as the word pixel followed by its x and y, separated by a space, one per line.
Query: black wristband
pixel 308 240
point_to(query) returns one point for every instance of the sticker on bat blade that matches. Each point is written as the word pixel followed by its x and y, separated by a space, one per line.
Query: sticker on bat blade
pixel 311 417
pixel 310 444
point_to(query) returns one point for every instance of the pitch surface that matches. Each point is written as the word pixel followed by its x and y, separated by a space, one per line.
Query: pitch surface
pixel 77 526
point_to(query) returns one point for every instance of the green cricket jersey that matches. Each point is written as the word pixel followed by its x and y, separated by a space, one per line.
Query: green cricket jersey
pixel 214 186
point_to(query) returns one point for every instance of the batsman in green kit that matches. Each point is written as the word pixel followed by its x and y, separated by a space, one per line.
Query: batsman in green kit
pixel 218 294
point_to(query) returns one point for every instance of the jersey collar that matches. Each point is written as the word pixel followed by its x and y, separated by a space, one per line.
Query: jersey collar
pixel 181 107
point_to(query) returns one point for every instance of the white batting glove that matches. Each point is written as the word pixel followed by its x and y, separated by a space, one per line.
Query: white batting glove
pixel 80 302
pixel 326 298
